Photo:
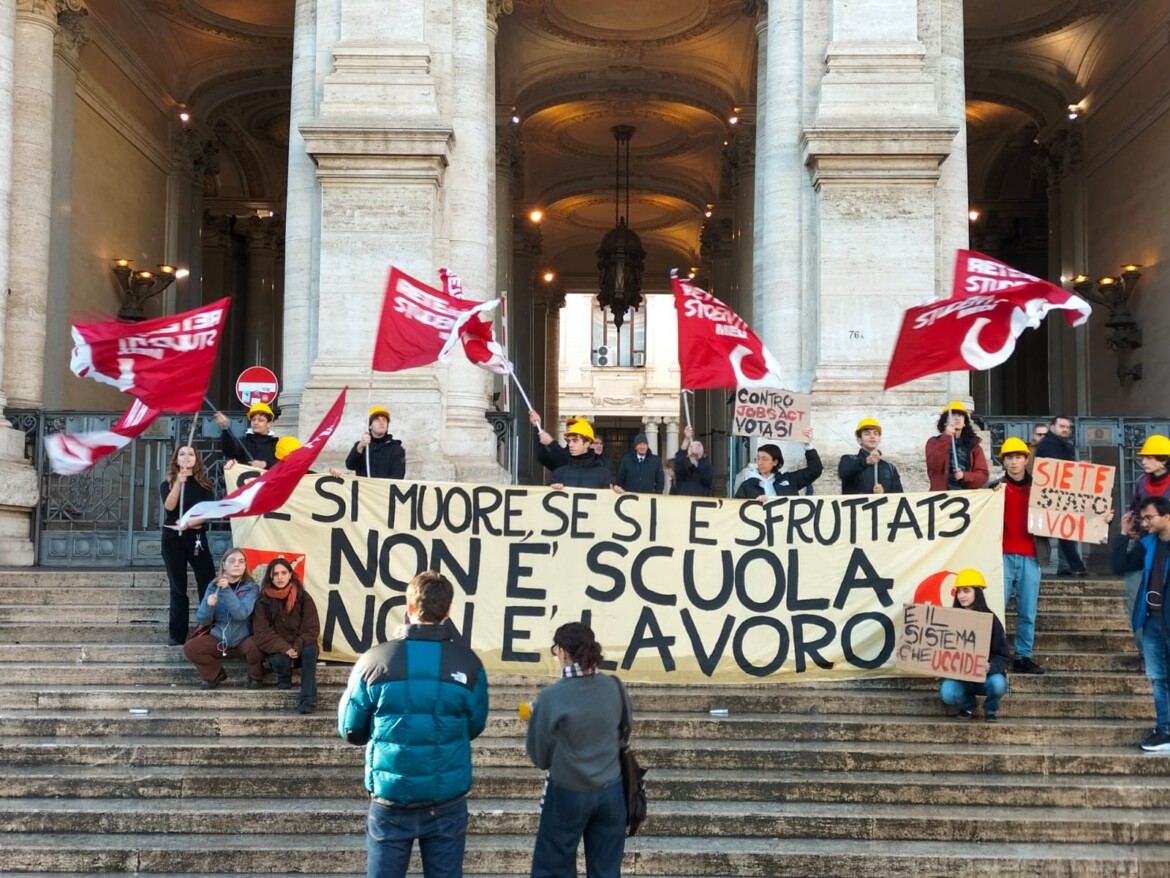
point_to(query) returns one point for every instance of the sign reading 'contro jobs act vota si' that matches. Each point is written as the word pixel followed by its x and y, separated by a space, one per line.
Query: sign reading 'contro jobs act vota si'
pixel 677 589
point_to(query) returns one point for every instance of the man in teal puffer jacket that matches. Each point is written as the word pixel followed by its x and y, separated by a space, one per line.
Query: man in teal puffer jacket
pixel 416 702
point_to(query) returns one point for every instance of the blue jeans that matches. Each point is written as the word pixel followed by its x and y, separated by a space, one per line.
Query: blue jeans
pixel 1156 652
pixel 441 832
pixel 1021 576
pixel 566 815
pixel 962 694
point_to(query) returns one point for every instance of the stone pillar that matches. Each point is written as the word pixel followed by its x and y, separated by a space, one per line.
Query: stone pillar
pixel 650 428
pixel 219 274
pixel 260 304
pixel 18 483
pixel 743 188
pixel 549 302
pixel 526 248
pixel 302 222
pixel 672 432
pixel 508 159
pixel 72 35
pixel 32 172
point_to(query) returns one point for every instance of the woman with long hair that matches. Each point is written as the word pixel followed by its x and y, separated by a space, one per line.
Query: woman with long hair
pixel 186 484
pixel 969 588
pixel 225 615
pixel 286 626
pixel 574 734
pixel 954 458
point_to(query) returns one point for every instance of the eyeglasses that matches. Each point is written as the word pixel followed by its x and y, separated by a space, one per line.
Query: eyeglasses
pixel 1146 519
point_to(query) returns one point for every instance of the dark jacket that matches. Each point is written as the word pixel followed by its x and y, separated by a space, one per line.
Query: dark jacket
pixel 416 702
pixel 551 456
pixel 939 463
pixel 646 477
pixel 252 447
pixel 584 471
pixel 387 458
pixel 1148 486
pixel 999 656
pixel 1053 446
pixel 857 477
pixel 1127 556
pixel 692 479
pixel 278 630
pixel 1140 613
pixel 786 484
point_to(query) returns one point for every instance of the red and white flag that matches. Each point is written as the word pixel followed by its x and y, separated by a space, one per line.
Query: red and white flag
pixel 164 363
pixel 715 347
pixel 419 324
pixel 991 305
pixel 271 489
pixel 480 345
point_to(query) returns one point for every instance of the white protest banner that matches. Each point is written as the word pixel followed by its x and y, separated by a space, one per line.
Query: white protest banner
pixel 771 414
pixel 1070 499
pixel 677 589
pixel 944 642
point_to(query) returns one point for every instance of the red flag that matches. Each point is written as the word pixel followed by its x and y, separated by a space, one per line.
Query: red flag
pixel 715 347
pixel 990 307
pixel 480 345
pixel 419 323
pixel 165 362
pixel 270 491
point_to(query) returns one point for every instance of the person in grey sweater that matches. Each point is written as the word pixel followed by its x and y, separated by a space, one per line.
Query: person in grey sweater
pixel 574 735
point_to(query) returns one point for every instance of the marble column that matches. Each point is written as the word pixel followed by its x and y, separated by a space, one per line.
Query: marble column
pixel 672 433
pixel 550 299
pixel 18 483
pixel 259 305
pixel 526 248
pixel 650 428
pixel 72 35
pixel 32 172
pixel 743 189
pixel 302 220
pixel 219 274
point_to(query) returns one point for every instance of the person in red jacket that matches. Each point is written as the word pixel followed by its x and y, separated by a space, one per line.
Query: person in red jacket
pixel 1021 572
pixel 954 459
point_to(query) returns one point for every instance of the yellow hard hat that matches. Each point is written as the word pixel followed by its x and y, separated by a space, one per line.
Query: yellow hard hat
pixel 955 406
pixel 867 424
pixel 261 408
pixel 285 446
pixel 579 427
pixel 1012 445
pixel 378 411
pixel 1155 446
pixel 970 578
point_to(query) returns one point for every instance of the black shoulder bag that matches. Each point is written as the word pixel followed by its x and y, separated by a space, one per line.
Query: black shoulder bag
pixel 633 774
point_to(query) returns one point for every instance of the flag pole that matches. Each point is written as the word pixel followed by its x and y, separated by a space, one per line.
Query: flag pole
pixel 519 386
pixel 951 414
pixel 237 439
pixel 369 396
pixel 686 406
pixel 191 445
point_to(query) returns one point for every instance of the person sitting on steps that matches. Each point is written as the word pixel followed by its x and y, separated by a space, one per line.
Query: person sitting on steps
pixel 286 626
pixel 969 595
pixel 224 618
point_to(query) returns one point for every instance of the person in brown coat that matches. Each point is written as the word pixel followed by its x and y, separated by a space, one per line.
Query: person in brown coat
pixel 286 626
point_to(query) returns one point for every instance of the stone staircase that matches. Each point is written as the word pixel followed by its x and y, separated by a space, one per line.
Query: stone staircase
pixel 867 778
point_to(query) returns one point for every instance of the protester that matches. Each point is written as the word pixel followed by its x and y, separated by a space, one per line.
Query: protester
pixel 1150 618
pixel 765 480
pixel 258 447
pixel 866 472
pixel 286 626
pixel 378 454
pixel 584 469
pixel 226 615
pixel 1128 561
pixel 416 702
pixel 549 454
pixel 575 734
pixel 954 458
pixel 640 471
pixel 186 484
pixel 969 595
pixel 598 447
pixel 1021 573
pixel 1056 444
pixel 693 473
pixel 1154 457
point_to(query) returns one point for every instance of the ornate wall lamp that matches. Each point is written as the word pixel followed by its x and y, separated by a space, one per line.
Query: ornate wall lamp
pixel 138 286
pixel 620 258
pixel 1114 294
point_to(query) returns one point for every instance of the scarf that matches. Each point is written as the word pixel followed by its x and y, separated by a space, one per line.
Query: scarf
pixel 288 594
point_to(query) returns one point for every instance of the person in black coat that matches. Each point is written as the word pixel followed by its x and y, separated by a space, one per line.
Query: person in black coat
pixel 549 453
pixel 186 484
pixel 1058 445
pixel 969 588
pixel 378 454
pixel 258 446
pixel 640 471
pixel 866 472
pixel 693 473
pixel 764 480
pixel 584 469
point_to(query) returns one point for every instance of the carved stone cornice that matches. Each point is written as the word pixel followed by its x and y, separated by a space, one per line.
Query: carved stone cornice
pixel 510 153
pixel 261 233
pixel 496 8
pixel 715 239
pixel 1064 154
pixel 72 34
pixel 46 10
pixel 740 155
pixel 754 8
pixel 526 240
pixel 548 297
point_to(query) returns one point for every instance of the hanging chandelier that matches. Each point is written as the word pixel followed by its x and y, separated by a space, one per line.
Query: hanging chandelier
pixel 620 258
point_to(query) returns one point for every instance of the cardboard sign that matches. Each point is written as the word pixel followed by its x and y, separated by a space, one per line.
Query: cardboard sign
pixel 771 414
pixel 944 642
pixel 1070 499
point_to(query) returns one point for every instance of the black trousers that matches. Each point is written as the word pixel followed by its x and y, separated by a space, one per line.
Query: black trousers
pixel 179 550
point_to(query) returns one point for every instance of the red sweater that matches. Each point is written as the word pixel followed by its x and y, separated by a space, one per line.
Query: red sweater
pixel 1016 539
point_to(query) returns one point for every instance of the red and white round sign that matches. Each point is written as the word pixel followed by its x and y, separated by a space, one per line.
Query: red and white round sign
pixel 257 384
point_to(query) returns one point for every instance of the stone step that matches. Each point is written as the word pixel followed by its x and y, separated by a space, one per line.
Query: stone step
pixel 645 855
pixel 970 747
pixel 39 579
pixel 781 820
pixel 167 782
